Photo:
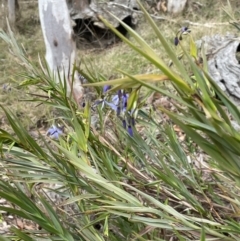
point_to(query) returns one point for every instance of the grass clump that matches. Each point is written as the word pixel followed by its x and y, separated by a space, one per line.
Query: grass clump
pixel 176 178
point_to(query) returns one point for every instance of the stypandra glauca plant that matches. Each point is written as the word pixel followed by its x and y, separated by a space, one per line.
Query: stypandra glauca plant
pixel 100 182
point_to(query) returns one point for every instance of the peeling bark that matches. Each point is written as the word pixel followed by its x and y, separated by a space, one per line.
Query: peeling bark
pixel 176 6
pixel 85 9
pixel 223 55
pixel 60 44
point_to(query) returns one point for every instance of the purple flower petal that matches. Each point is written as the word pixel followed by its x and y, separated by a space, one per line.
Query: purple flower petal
pixel 184 29
pixel 125 99
pixel 124 124
pixel 106 88
pixel 115 100
pixel 111 105
pixel 176 41
pixel 54 132
pixel 6 87
pixel 119 94
pixel 130 131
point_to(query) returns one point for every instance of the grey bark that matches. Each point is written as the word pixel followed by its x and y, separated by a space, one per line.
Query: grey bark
pixel 176 6
pixel 82 9
pixel 224 62
pixel 12 11
pixel 60 45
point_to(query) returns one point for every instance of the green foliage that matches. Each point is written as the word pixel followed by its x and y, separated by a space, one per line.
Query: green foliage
pixel 111 186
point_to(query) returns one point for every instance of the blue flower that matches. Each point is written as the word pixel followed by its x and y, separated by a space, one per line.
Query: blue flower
pixel 115 102
pixel 124 124
pixel 125 99
pixel 119 94
pixel 130 131
pixel 6 87
pixel 119 103
pixel 176 41
pixel 54 132
pixel 184 29
pixel 106 88
pixel 110 104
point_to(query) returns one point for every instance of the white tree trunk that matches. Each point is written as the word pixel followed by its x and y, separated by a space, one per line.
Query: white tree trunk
pixel 176 6
pixel 60 45
pixel 11 12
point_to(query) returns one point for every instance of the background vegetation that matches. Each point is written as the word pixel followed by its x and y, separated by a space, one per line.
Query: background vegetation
pixel 177 178
pixel 105 61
